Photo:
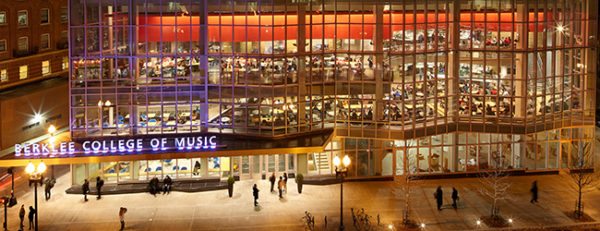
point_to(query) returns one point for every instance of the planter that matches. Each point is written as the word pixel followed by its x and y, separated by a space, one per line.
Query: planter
pixel 230 190
pixel 300 188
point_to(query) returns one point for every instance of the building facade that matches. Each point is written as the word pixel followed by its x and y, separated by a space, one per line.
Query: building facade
pixel 404 86
pixel 33 41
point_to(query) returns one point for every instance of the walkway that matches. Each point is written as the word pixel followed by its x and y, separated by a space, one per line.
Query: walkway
pixel 214 210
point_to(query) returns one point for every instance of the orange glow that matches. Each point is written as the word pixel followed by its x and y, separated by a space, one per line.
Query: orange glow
pixel 241 28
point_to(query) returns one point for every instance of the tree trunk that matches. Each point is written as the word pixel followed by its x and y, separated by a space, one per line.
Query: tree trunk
pixel 579 212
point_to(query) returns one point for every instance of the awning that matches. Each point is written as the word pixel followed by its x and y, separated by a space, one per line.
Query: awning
pixel 227 145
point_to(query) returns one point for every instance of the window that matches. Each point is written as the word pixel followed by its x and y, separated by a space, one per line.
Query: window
pixel 3 75
pixel 2 45
pixel 46 67
pixel 23 72
pixel 2 17
pixel 65 63
pixel 45 41
pixel 22 18
pixel 64 15
pixel 23 44
pixel 44 16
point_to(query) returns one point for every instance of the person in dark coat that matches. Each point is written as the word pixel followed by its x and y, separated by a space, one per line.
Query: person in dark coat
pixel 85 188
pixel 48 185
pixel 99 184
pixel 21 216
pixel 534 192
pixel 197 167
pixel 272 180
pixel 32 214
pixel 255 194
pixel 167 184
pixel 285 178
pixel 454 197
pixel 153 184
pixel 439 197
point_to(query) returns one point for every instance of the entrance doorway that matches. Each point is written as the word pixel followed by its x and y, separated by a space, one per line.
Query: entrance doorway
pixel 262 166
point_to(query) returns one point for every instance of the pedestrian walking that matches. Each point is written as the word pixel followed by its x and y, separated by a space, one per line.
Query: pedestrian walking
pixel 280 186
pixel 167 182
pixel 285 178
pixel 534 192
pixel 48 185
pixel 21 216
pixel 99 184
pixel 255 194
pixel 272 180
pixel 122 212
pixel 31 216
pixel 85 188
pixel 439 197
pixel 454 197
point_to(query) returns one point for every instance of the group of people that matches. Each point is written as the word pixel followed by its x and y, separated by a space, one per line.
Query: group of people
pixel 85 188
pixel 155 189
pixel 31 215
pixel 439 197
pixel 281 186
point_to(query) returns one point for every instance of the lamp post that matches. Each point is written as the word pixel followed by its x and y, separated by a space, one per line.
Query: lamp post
pixel 35 177
pixel 341 170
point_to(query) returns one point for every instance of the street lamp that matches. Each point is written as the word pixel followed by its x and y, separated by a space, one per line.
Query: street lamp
pixel 341 170
pixel 51 130
pixel 35 177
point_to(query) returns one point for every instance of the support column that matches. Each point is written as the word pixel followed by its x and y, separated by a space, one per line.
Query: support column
pixel 204 66
pixel 378 71
pixel 453 63
pixel 590 66
pixel 301 46
pixel 520 78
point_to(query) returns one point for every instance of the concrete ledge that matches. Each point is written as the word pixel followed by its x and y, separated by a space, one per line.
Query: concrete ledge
pixel 331 179
pixel 142 187
pixel 510 172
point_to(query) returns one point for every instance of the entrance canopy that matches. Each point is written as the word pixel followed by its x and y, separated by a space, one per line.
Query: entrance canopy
pixel 156 147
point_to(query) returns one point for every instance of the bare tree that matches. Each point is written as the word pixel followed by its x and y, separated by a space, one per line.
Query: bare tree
pixel 495 186
pixel 581 171
pixel 408 183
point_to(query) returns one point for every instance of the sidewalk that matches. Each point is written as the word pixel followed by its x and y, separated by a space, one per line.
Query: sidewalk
pixel 214 210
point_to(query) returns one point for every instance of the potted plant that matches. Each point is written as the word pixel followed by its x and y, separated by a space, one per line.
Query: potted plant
pixel 230 182
pixel 299 181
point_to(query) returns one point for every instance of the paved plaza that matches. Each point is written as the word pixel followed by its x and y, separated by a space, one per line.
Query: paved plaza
pixel 216 211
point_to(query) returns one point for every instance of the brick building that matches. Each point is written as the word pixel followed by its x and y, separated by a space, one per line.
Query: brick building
pixel 33 41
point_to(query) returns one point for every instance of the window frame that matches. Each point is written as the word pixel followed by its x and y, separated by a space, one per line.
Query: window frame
pixel 3 12
pixel 3 73
pixel 21 72
pixel 19 13
pixel 5 44
pixel 26 43
pixel 48 16
pixel 41 39
pixel 49 68
pixel 64 18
